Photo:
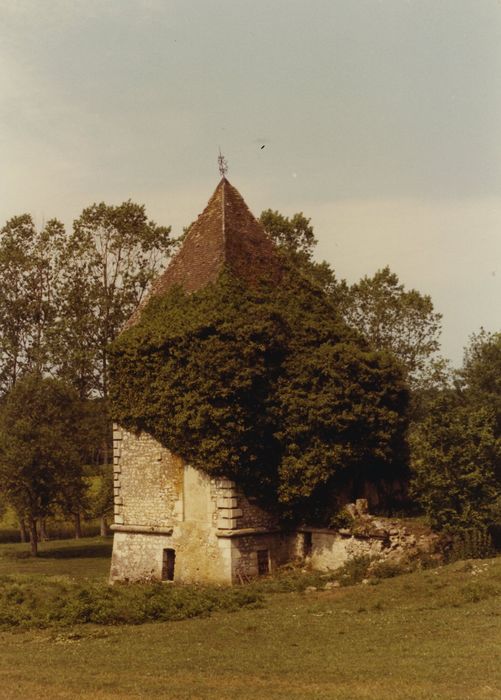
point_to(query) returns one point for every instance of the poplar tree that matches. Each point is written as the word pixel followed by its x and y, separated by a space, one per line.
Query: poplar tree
pixel 30 266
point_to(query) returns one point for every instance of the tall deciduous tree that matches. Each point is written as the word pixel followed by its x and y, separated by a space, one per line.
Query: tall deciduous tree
pixel 110 259
pixel 40 463
pixel 480 378
pixel 296 239
pixel 392 318
pixel 29 269
pixel 454 451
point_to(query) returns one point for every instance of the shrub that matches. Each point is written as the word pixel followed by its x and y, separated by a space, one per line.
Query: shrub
pixel 354 570
pixel 342 519
pixel 388 569
pixel 59 601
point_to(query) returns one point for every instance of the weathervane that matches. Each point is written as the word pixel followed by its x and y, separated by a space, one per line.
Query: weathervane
pixel 223 165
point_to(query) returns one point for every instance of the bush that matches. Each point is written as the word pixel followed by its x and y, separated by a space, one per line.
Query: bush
pixel 388 569
pixel 342 519
pixel 354 571
pixel 60 601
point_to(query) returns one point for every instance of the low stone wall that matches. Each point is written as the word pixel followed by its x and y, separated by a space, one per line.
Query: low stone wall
pixel 328 550
pixel 259 554
pixel 381 539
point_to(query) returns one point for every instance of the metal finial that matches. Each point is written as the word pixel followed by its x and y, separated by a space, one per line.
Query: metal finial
pixel 223 165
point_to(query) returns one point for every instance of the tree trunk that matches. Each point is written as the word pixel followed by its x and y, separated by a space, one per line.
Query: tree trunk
pixel 22 530
pixel 104 526
pixel 33 537
pixel 43 532
pixel 78 526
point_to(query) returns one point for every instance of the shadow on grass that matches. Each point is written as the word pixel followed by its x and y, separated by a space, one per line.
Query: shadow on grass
pixel 101 550
pixel 87 551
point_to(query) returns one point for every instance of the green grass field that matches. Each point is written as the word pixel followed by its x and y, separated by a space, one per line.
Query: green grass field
pixel 432 634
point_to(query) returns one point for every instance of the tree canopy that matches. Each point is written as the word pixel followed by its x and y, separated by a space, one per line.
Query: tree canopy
pixel 295 237
pixel 40 457
pixel 392 318
pixel 264 385
pixel 454 451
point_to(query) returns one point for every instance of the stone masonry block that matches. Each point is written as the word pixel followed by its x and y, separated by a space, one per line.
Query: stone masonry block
pixel 119 501
pixel 119 519
pixel 116 491
pixel 224 502
pixel 230 513
pixel 225 484
pixel 117 468
pixel 227 523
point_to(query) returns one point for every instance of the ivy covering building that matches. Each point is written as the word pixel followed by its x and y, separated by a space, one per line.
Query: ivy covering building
pixel 246 411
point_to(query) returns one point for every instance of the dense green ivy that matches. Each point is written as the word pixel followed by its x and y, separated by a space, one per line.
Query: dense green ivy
pixel 265 385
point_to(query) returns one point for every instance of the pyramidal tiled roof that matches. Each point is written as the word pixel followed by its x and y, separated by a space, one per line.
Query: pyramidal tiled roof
pixel 225 234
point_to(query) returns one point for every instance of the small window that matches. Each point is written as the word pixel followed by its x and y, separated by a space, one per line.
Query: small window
pixel 168 563
pixel 263 562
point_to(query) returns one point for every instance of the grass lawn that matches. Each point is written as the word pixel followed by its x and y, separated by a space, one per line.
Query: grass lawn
pixel 88 557
pixel 434 634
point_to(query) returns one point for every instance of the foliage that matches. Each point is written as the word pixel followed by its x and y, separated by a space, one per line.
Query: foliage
pixel 475 543
pixel 62 601
pixel 354 570
pixel 392 318
pixel 40 464
pixel 263 385
pixel 480 378
pixel 395 319
pixel 341 519
pixel 102 502
pixel 109 260
pixel 453 453
pixel 29 269
pixel 388 569
pixel 295 237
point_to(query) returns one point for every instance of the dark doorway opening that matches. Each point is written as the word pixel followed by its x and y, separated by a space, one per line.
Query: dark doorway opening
pixel 263 562
pixel 307 544
pixel 168 564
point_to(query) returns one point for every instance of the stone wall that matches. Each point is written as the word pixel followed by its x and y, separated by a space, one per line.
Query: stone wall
pixel 381 539
pixel 208 525
pixel 148 481
pixel 327 550
pixel 274 548
pixel 213 532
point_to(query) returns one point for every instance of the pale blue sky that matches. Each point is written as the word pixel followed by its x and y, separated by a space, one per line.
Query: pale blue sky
pixel 380 119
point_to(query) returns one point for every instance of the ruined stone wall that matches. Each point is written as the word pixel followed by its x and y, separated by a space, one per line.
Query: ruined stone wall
pixel 328 550
pixel 276 548
pixel 380 539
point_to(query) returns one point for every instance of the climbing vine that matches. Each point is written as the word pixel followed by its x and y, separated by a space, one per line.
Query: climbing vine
pixel 263 385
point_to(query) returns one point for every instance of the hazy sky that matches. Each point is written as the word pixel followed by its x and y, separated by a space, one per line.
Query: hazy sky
pixel 381 120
